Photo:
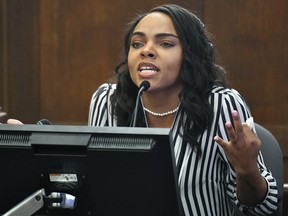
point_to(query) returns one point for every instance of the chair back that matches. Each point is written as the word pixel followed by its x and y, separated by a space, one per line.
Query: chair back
pixel 273 158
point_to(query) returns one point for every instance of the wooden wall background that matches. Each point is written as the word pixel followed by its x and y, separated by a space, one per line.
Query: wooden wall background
pixel 55 53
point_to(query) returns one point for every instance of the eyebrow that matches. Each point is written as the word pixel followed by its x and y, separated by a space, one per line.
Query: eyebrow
pixel 157 35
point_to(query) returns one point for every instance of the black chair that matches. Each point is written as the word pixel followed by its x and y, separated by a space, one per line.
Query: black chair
pixel 273 159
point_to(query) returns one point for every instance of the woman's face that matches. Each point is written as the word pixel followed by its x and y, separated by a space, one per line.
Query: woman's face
pixel 155 53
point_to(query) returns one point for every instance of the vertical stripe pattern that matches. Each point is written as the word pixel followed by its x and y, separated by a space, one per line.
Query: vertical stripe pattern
pixel 207 185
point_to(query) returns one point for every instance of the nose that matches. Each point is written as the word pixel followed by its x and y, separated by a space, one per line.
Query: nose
pixel 148 51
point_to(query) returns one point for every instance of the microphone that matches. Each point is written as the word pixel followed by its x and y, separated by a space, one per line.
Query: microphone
pixel 143 87
pixel 43 122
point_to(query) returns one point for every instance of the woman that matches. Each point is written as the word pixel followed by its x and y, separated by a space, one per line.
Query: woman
pixel 170 48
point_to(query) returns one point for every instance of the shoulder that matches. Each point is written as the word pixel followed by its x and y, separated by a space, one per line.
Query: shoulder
pixel 99 104
pixel 101 95
pixel 228 99
pixel 224 91
pixel 104 89
pixel 226 94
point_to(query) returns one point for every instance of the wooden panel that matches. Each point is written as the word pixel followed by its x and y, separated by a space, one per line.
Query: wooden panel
pixel 80 45
pixel 3 54
pixel 19 60
pixel 251 39
pixel 54 54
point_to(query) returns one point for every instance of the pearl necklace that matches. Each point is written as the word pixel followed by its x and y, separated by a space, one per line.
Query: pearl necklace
pixel 162 114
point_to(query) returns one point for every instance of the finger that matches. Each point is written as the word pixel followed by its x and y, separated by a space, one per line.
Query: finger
pixel 220 141
pixel 14 121
pixel 237 122
pixel 231 133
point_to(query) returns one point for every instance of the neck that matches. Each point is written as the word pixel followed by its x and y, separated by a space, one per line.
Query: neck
pixel 162 118
pixel 160 104
pixel 170 112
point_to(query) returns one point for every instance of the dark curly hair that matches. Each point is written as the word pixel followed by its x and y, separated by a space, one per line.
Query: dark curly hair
pixel 199 74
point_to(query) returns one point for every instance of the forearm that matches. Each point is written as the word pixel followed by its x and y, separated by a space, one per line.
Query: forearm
pixel 251 187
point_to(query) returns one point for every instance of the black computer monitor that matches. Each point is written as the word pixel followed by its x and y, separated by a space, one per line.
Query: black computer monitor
pixel 110 170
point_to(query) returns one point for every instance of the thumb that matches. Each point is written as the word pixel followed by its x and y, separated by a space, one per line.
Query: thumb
pixel 14 121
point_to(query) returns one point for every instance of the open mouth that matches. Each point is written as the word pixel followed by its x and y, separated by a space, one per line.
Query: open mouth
pixel 147 69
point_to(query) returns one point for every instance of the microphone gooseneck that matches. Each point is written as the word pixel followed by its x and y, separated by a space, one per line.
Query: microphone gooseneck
pixel 143 87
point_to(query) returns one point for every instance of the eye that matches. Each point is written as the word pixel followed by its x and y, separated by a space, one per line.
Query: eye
pixel 136 45
pixel 166 45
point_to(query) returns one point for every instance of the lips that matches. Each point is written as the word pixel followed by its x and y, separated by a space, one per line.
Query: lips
pixel 147 69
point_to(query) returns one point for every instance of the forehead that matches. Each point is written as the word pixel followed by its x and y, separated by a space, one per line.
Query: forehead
pixel 155 22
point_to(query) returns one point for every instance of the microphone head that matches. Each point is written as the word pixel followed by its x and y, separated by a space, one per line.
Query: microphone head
pixel 44 122
pixel 145 85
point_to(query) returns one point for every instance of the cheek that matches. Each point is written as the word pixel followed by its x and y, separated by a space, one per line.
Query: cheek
pixel 174 58
pixel 173 69
pixel 174 64
pixel 131 61
pixel 131 67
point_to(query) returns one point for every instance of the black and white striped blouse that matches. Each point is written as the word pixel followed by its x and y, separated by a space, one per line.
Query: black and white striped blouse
pixel 208 184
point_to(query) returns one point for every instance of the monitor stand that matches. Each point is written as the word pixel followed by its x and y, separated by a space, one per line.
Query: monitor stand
pixel 37 200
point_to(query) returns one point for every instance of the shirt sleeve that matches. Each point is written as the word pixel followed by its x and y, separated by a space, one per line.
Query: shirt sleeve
pixel 99 106
pixel 232 100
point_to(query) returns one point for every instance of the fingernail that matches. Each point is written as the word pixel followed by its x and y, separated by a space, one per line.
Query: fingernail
pixel 234 113
pixel 228 124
